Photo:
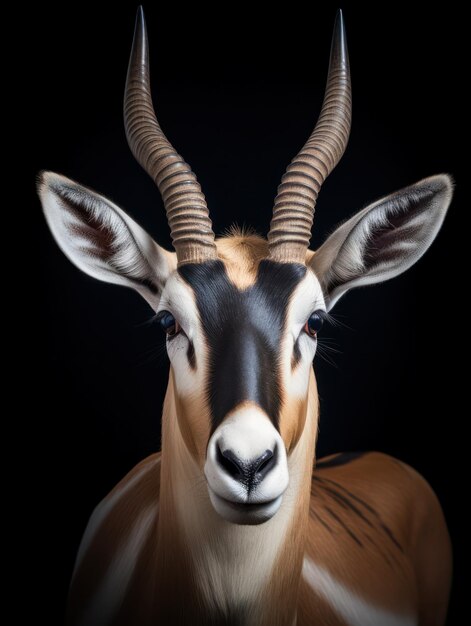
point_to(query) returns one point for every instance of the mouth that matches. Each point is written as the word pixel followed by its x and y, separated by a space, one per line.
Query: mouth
pixel 249 514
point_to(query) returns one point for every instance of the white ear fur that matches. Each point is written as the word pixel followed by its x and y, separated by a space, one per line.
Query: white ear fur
pixel 101 240
pixel 384 239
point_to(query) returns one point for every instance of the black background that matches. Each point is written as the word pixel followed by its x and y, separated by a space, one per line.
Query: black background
pixel 238 93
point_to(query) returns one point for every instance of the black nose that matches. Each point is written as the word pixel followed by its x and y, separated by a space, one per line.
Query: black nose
pixel 250 473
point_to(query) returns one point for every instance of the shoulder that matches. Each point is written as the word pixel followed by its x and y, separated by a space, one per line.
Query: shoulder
pixel 380 485
pixel 375 474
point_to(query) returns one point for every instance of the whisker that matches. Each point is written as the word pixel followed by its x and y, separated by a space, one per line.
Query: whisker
pixel 152 354
pixel 330 347
pixel 149 322
pixel 321 351
pixel 335 321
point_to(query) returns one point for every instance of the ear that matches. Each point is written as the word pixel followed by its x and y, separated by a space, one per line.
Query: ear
pixel 383 240
pixel 101 240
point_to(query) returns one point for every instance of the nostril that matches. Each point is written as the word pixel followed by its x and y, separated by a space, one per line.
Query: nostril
pixel 264 463
pixel 249 473
pixel 230 462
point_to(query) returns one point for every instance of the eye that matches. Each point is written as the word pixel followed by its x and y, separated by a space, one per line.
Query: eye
pixel 314 323
pixel 168 323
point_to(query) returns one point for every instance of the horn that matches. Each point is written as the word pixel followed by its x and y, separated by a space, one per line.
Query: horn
pixel 293 212
pixel 185 204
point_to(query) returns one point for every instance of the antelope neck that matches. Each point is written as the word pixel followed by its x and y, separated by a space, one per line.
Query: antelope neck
pixel 222 573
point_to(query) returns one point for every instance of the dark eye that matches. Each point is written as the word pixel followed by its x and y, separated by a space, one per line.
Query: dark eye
pixel 314 323
pixel 168 323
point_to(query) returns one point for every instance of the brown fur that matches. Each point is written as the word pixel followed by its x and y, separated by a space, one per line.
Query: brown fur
pixel 194 422
pixel 373 524
pixel 241 252
pixel 391 568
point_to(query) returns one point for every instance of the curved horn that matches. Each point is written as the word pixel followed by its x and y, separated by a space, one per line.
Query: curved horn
pixel 185 204
pixel 293 213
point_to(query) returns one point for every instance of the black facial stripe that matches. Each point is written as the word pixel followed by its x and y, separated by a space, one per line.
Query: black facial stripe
pixel 296 355
pixel 190 353
pixel 244 331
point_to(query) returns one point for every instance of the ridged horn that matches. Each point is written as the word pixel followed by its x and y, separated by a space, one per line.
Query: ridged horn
pixel 293 212
pixel 185 204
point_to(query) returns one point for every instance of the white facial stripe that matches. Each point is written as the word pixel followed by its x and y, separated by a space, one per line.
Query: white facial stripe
pixel 348 605
pixel 178 298
pixel 306 299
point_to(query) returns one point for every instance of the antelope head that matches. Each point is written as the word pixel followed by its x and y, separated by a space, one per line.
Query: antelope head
pixel 242 313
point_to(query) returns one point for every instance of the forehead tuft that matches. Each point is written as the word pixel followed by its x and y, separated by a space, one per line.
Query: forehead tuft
pixel 241 252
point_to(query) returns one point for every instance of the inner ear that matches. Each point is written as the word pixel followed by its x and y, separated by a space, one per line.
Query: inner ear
pixel 383 240
pixel 106 237
pixel 398 230
pixel 102 240
pixel 97 234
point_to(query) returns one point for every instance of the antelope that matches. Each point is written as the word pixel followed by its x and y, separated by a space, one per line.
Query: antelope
pixel 233 522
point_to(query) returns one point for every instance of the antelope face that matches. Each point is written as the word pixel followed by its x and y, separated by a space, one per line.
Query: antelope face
pixel 242 313
pixel 241 336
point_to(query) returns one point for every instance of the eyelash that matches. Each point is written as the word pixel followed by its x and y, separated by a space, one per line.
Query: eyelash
pixel 172 328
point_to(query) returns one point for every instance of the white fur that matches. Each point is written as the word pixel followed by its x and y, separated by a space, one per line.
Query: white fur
pixel 248 433
pixel 178 298
pixel 112 590
pixel 306 299
pixel 355 611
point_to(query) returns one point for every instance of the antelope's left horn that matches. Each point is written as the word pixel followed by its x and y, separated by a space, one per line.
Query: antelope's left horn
pixel 185 204
pixel 293 212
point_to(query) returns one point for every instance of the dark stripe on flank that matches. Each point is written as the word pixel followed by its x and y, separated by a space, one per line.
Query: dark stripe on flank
pixel 343 525
pixel 348 500
pixel 340 459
